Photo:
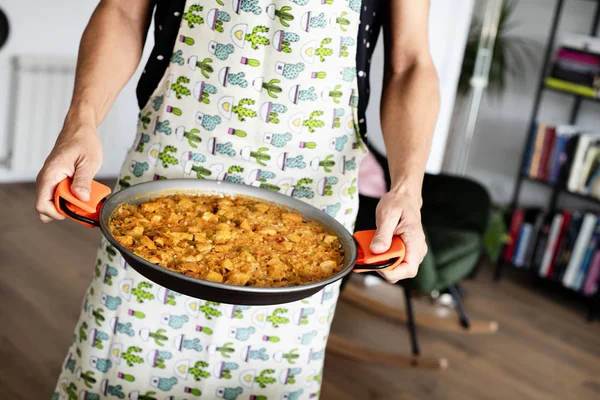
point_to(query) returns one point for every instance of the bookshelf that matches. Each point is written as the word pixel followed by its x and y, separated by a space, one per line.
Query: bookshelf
pixel 559 189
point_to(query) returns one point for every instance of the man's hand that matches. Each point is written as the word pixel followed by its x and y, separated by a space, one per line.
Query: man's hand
pixel 77 154
pixel 399 214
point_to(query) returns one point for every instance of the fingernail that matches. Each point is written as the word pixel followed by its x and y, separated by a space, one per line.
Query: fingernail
pixel 377 247
pixel 83 193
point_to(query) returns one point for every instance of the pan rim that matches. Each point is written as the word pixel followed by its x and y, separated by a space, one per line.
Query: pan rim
pixel 204 186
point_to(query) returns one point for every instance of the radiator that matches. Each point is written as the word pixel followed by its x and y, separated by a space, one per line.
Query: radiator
pixel 40 96
pixel 40 93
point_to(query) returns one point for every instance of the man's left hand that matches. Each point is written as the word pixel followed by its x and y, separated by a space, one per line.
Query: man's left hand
pixel 399 214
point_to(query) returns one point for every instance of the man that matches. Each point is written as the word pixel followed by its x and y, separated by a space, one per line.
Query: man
pixel 243 55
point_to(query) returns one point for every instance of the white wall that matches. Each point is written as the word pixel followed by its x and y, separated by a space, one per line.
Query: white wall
pixel 500 132
pixel 448 28
pixel 53 27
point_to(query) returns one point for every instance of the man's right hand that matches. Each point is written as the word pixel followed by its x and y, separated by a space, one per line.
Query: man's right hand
pixel 77 154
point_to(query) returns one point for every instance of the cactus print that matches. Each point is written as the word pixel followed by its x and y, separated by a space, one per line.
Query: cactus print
pixel 318 21
pixel 295 162
pixel 308 94
pixel 255 66
pixel 280 140
pixel 223 51
pixel 250 6
pixel 291 71
pixel 210 122
pixel 237 79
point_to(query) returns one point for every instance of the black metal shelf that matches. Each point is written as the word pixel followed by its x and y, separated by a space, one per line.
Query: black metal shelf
pixel 557 190
pixel 563 190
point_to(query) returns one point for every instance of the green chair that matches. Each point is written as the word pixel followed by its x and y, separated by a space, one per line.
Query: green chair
pixel 454 216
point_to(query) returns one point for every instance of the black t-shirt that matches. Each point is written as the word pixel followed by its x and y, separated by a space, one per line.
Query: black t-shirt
pixel 167 18
pixel 372 18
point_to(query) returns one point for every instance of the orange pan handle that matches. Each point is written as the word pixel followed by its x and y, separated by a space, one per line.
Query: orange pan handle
pixel 370 262
pixel 84 212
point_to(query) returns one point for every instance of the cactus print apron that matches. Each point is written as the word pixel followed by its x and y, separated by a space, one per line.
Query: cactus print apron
pixel 257 92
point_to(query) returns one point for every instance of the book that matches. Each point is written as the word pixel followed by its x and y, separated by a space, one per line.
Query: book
pixel 549 138
pixel 564 86
pixel 591 282
pixel 548 254
pixel 513 232
pixel 584 142
pixel 566 218
pixel 576 66
pixel 534 240
pixel 542 243
pixel 529 149
pixel 519 258
pixel 537 150
pixel 579 41
pixel 587 259
pixel 583 240
pixel 567 245
pixel 586 170
pixel 564 133
pixel 567 159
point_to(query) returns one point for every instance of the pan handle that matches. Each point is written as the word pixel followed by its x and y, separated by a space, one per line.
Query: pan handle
pixel 84 212
pixel 370 262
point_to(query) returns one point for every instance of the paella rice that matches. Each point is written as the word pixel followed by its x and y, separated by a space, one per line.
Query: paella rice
pixel 234 240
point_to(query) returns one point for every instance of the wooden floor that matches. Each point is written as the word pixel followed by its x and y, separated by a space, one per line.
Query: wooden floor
pixel 544 349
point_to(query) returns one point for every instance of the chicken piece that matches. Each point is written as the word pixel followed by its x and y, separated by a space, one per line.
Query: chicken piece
pixel 225 214
pixel 292 217
pixel 150 207
pixel 185 203
pixel 223 226
pixel 237 278
pixel 293 237
pixel 276 270
pixel 245 225
pixel 214 277
pixel 210 217
pixel 136 232
pixel 328 266
pixel 181 235
pixel 174 217
pixel 288 245
pixel 147 242
pixel 268 231
pixel 227 264
pixel 262 208
pixel 156 219
pixel 159 241
pixel 330 239
pixel 225 203
pixel 125 240
pixel 222 248
pixel 222 236
pixel 204 247
pixel 200 237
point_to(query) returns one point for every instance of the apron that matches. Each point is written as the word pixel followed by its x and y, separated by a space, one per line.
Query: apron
pixel 257 92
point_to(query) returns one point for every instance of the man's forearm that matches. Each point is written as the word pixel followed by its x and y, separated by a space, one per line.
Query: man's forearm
pixel 409 111
pixel 109 53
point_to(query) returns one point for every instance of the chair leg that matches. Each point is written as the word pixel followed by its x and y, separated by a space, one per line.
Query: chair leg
pixel 357 296
pixel 412 328
pixel 460 309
